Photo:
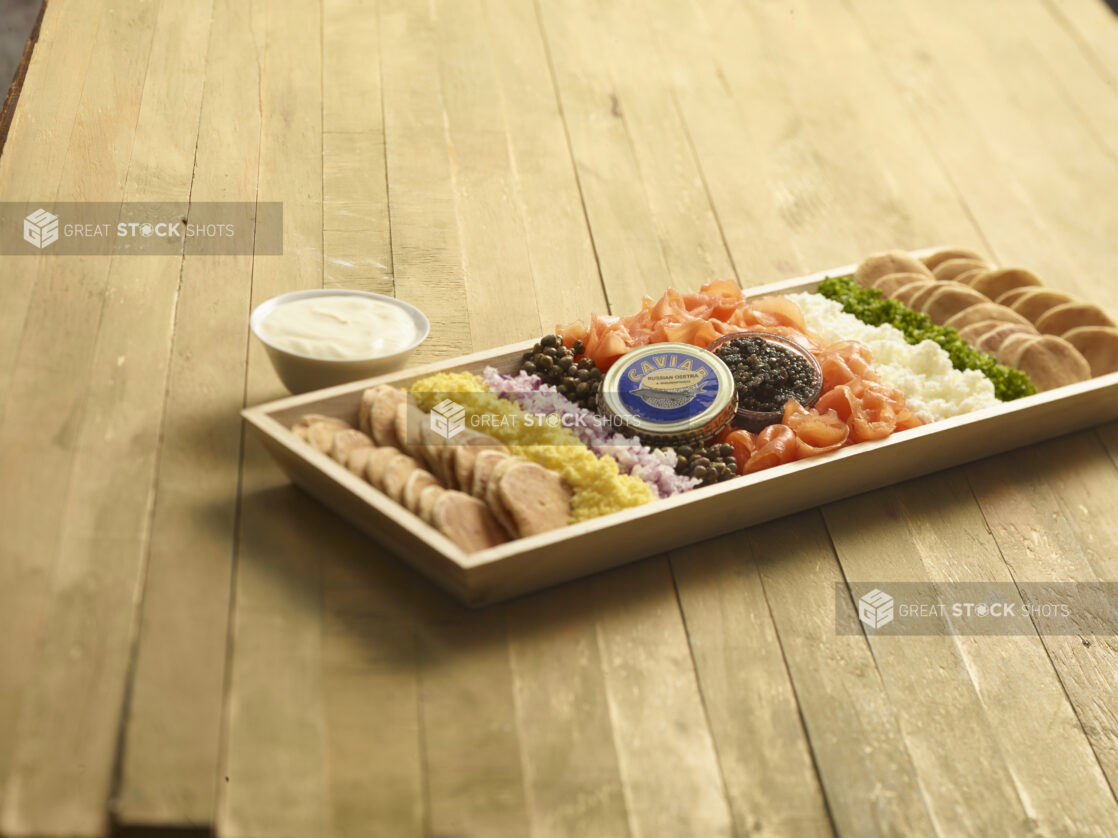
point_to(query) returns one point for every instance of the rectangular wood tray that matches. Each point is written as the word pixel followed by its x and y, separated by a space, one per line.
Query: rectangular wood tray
pixel 529 564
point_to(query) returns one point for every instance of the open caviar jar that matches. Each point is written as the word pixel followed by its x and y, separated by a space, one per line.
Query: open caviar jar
pixel 768 370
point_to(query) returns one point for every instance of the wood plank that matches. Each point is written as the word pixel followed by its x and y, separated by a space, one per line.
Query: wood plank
pixel 426 251
pixel 563 716
pixel 372 611
pixel 643 98
pixel 169 771
pixel 1063 65
pixel 564 266
pixel 730 141
pixel 630 257
pixel 856 738
pixel 500 290
pixel 1024 751
pixel 275 745
pixel 666 755
pixel 36 166
pixel 356 240
pixel 747 692
pixel 27 552
pixel 1049 510
pixel 50 545
pixel 1093 24
pixel 103 526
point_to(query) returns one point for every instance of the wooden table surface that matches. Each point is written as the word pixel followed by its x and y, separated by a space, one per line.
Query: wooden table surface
pixel 188 642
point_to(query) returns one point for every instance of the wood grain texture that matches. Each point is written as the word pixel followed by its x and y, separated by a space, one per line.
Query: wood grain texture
pixel 866 769
pixel 1046 509
pixel 168 770
pixel 275 737
pixel 115 366
pixel 747 691
pixel 1001 733
pixel 509 166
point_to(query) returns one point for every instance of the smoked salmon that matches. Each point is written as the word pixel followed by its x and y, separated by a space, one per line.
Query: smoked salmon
pixel 854 406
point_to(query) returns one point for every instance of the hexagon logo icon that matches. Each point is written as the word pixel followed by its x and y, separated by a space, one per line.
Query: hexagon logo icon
pixel 40 228
pixel 875 609
pixel 448 419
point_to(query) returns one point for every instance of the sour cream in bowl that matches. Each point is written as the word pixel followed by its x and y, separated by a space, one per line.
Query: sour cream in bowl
pixel 324 337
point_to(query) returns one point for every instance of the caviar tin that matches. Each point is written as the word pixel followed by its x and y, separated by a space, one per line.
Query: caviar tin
pixel 669 393
pixel 758 420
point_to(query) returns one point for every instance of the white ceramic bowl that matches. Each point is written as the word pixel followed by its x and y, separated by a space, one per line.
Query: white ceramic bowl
pixel 303 373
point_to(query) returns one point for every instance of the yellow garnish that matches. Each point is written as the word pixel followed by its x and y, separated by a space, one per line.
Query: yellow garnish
pixel 599 488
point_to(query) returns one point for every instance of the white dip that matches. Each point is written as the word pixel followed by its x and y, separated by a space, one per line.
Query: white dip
pixel 932 387
pixel 342 327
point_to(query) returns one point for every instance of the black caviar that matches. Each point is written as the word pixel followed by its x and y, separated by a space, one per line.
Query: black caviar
pixel 766 374
pixel 707 463
pixel 555 364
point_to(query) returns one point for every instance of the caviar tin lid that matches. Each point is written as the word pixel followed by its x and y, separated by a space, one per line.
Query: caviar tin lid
pixel 669 392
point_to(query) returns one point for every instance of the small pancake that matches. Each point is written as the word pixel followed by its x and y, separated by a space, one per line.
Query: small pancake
pixel 1098 344
pixel 321 436
pixel 382 414
pixel 410 422
pixel 484 464
pixel 1036 301
pixel 875 267
pixel 365 410
pixel 949 300
pixel 985 311
pixel 446 472
pixel 1013 294
pixel 996 283
pixel 396 475
pixel 345 441
pixel 493 495
pixel 427 500
pixel 466 458
pixel 376 464
pixel 891 284
pixel 910 291
pixel 921 297
pixel 1052 362
pixel 946 271
pixel 466 521
pixel 973 333
pixel 1064 318
pixel 934 260
pixel 358 459
pixel 969 277
pixel 309 419
pixel 417 481
pixel 431 447
pixel 992 341
pixel 535 497
pixel 1012 347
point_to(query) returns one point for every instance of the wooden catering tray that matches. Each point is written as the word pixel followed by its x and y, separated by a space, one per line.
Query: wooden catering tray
pixel 528 564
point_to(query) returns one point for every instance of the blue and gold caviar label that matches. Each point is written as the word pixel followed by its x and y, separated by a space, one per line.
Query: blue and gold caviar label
pixel 668 388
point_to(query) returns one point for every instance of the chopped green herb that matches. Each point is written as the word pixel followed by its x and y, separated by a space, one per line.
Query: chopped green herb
pixel 869 306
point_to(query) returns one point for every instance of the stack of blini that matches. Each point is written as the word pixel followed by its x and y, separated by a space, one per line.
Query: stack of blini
pixel 1006 312
pixel 470 488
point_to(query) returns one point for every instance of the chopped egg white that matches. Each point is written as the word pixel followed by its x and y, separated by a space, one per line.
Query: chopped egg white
pixel 932 387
